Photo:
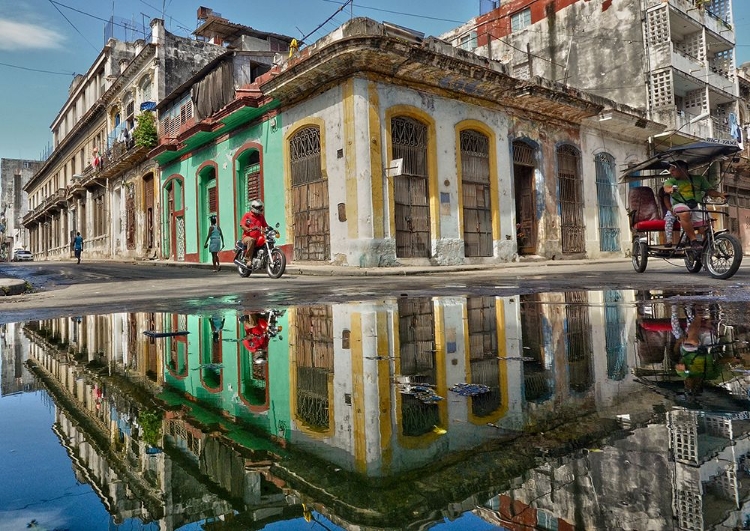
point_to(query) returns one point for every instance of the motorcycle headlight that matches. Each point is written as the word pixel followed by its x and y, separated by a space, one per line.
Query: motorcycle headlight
pixel 276 233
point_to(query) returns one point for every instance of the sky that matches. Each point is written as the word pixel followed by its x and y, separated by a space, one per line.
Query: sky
pixel 43 43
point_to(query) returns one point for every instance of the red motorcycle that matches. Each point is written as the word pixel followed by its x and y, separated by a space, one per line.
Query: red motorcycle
pixel 265 255
pixel 260 328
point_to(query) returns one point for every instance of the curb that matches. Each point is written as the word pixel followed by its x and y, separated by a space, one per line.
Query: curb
pixel 12 286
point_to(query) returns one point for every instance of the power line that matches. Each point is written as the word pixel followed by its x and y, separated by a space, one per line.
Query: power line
pixel 54 4
pixel 400 13
pixel 163 14
pixel 328 19
pixel 38 70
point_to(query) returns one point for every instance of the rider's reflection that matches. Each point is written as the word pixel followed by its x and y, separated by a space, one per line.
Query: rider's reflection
pixel 698 362
pixel 256 337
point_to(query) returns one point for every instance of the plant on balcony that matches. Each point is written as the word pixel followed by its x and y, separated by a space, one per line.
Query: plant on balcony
pixel 145 132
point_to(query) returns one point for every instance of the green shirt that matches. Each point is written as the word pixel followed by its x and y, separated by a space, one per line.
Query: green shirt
pixel 693 188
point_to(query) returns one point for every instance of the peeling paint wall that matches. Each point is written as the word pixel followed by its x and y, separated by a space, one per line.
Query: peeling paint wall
pixel 593 46
pixel 362 149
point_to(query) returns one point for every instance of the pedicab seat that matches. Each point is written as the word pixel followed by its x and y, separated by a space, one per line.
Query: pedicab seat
pixel 645 212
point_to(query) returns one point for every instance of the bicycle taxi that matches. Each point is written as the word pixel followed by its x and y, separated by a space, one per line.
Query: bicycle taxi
pixel 721 252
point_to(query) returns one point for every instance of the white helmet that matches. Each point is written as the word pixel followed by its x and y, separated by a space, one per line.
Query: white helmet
pixel 256 207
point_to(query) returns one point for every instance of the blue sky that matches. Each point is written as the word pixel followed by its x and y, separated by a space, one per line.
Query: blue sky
pixel 44 42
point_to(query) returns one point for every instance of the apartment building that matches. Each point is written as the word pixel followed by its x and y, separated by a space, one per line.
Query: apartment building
pixel 98 181
pixel 673 58
pixel 14 174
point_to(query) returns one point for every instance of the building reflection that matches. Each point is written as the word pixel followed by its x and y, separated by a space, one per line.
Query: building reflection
pixel 464 394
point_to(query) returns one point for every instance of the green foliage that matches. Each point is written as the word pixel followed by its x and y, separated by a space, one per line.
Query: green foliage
pixel 145 132
pixel 150 421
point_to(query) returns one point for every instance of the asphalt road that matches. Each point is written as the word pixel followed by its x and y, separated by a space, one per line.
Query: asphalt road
pixel 62 289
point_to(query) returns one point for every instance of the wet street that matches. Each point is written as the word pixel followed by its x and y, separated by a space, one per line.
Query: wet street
pixel 544 396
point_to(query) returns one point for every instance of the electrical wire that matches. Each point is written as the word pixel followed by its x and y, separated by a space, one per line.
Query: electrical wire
pixel 38 70
pixel 400 13
pixel 54 4
pixel 302 40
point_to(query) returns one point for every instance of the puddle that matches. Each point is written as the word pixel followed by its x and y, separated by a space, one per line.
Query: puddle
pixel 586 410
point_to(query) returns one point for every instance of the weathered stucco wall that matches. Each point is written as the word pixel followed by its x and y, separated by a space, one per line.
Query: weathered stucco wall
pixel 355 118
pixel 593 46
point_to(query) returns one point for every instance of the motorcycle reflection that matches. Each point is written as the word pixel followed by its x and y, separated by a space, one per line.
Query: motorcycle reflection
pixel 259 327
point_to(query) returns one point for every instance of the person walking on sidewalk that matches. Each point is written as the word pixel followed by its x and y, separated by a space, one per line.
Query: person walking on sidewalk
pixel 215 243
pixel 78 246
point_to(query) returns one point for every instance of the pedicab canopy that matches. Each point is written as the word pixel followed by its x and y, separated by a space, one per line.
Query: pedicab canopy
pixel 695 154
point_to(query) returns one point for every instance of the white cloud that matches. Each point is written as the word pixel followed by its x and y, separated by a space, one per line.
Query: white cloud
pixel 23 36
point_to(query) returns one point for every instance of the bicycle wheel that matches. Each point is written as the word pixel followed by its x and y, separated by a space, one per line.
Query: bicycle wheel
pixel 723 258
pixel 640 255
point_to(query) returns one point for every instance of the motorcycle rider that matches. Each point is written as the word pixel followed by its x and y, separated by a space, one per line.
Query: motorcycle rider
pixel 253 222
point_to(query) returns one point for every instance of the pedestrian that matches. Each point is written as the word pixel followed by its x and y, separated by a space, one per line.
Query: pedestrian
pixel 78 246
pixel 215 243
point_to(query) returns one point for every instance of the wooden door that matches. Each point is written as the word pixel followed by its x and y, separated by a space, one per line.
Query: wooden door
pixel 411 189
pixel 525 193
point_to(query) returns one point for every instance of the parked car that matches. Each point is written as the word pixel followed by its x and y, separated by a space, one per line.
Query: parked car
pixel 22 255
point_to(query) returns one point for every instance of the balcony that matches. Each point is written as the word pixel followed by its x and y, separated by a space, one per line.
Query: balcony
pixel 119 158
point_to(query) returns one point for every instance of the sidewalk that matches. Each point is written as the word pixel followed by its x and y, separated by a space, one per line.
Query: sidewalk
pixel 14 286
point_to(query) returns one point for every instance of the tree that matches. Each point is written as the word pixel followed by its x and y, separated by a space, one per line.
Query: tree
pixel 145 134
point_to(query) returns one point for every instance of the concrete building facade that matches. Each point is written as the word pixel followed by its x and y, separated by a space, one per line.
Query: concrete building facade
pixel 97 181
pixel 380 147
pixel 14 174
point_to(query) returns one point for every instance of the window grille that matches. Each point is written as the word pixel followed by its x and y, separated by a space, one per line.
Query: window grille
pixel 578 340
pixel 657 28
pixel 606 191
pixel 660 90
pixel 212 199
pixel 523 154
pixel 305 156
pixel 571 200
pixel 252 178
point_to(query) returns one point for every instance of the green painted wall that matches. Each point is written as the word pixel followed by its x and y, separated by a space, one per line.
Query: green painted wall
pixel 231 193
pixel 277 416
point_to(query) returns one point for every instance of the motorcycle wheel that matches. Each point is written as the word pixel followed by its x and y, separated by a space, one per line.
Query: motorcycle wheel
pixel 723 257
pixel 244 271
pixel 276 264
pixel 639 255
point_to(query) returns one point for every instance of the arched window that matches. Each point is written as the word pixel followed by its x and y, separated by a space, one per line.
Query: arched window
pixel 411 188
pixel 606 194
pixel 475 186
pixel 311 225
pixel 571 200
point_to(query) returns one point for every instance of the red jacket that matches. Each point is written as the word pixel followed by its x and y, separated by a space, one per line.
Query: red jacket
pixel 256 221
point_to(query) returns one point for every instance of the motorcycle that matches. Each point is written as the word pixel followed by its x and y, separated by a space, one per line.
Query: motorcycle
pixel 260 328
pixel 265 255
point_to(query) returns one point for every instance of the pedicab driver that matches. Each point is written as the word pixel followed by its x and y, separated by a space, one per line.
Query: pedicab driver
pixel 687 191
pixel 252 223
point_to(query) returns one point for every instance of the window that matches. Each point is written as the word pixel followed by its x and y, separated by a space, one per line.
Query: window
pixel 305 156
pixel 145 89
pixel 520 20
pixel 468 41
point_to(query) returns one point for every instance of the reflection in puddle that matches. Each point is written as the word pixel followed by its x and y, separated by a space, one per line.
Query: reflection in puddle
pixel 603 410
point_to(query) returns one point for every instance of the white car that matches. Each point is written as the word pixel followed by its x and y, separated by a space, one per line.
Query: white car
pixel 22 255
